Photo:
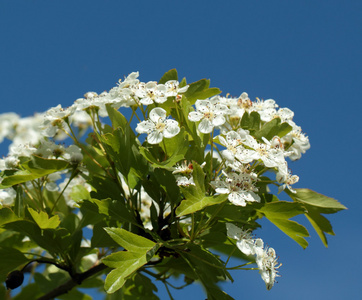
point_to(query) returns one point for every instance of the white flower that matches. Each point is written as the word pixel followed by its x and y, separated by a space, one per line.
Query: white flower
pixel 184 181
pixel 172 88
pixel 244 240
pixel 157 126
pixel 54 119
pixel 7 123
pixel 240 188
pixel 268 264
pixel 7 196
pixel 233 143
pixel 210 113
pixel 287 180
pixel 271 157
pixel 151 92
pixel 265 257
pixel 298 140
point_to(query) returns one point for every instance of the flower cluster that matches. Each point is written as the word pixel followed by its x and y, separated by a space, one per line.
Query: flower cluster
pixel 265 257
pixel 182 158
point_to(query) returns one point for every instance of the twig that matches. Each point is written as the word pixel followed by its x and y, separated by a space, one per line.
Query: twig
pixel 71 283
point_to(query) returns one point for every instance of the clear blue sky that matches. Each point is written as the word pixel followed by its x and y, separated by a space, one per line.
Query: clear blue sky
pixel 304 54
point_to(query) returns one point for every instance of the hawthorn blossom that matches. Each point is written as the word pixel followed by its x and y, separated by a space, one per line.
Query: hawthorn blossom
pixel 157 126
pixel 265 257
pixel 151 92
pixel 233 143
pixel 172 88
pixel 271 156
pixel 298 141
pixel 268 264
pixel 210 113
pixel 239 187
pixel 54 119
pixel 244 240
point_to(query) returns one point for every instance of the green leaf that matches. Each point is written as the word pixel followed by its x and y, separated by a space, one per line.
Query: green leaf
pixel 193 203
pixel 279 212
pixel 10 260
pixel 130 241
pixel 195 198
pixel 250 121
pixel 35 168
pixel 139 287
pixel 7 216
pixel 324 204
pixel 79 193
pixel 273 128
pixel 30 291
pixel 43 220
pixel 317 204
pixel 167 164
pixel 200 90
pixel 125 263
pixel 116 117
pixel 169 75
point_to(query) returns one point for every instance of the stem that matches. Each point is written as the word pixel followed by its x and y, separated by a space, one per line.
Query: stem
pixel 77 279
pixel 74 173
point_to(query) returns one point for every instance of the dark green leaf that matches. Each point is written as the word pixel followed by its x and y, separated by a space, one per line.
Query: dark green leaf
pixel 10 260
pixel 169 75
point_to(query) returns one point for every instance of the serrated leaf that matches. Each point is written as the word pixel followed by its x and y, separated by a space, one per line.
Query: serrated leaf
pixel 195 198
pixel 169 75
pixel 193 203
pixel 130 241
pixel 279 213
pixel 324 204
pixel 320 225
pixel 317 204
pixel 42 219
pixel 125 263
pixel 200 90
pixel 167 164
pixel 273 128
pixel 139 287
pixel 35 168
pixel 282 209
pixel 116 117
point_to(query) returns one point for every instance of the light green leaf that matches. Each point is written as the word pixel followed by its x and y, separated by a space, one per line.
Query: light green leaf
pixel 125 263
pixel 7 216
pixel 279 212
pixel 43 220
pixel 324 204
pixel 129 240
pixel 79 193
pixel 195 198
pixel 317 204
pixel 35 168
pixel 193 203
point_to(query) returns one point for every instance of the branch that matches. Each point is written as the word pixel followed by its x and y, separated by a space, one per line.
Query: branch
pixel 77 279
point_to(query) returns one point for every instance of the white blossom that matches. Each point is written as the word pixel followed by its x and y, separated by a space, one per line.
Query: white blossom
pixel 239 187
pixel 210 113
pixel 157 126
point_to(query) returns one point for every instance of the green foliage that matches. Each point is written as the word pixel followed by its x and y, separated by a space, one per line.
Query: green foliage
pixel 140 251
pixel 111 206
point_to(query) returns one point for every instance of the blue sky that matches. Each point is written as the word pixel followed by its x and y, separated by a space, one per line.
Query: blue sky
pixel 304 54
